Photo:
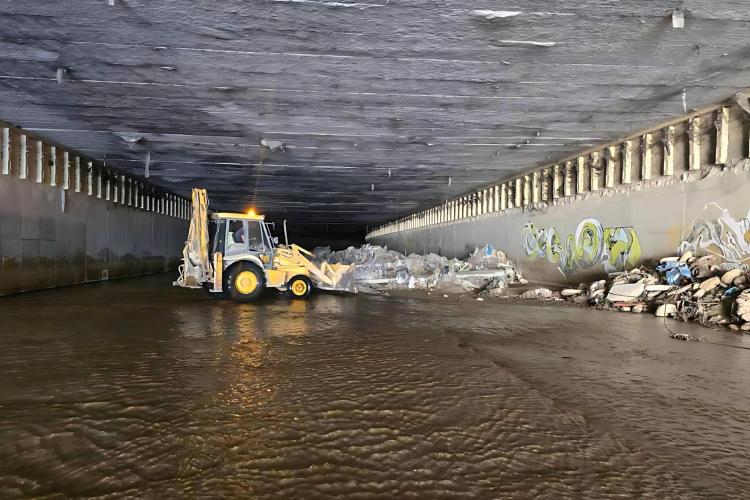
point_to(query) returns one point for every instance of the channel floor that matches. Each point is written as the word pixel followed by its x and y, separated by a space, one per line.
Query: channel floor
pixel 134 388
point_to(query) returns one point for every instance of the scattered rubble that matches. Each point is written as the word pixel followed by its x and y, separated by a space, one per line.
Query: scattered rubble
pixel 685 287
pixel 688 287
pixel 487 271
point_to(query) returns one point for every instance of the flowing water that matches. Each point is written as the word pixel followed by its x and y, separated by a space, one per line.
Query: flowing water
pixel 133 388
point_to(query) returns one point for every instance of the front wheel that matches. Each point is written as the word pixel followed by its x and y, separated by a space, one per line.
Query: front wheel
pixel 299 287
pixel 244 282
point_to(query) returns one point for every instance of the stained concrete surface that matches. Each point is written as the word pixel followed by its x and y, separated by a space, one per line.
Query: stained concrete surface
pixel 51 237
pixel 395 96
pixel 173 394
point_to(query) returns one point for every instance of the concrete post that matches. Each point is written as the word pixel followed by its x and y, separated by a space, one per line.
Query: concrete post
pixel 39 162
pixel 668 141
pixel 609 173
pixel 556 181
pixel 594 171
pixel 526 190
pixel 568 181
pixel 23 157
pixel 580 174
pixel 519 193
pixel 90 178
pixel 66 170
pixel 5 151
pixel 646 143
pixel 627 161
pixel 694 136
pixel 544 185
pixel 722 135
pixel 53 166
pixel 77 174
pixel 535 193
pixel 99 183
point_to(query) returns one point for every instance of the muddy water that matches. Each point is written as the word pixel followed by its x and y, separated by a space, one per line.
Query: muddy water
pixel 133 388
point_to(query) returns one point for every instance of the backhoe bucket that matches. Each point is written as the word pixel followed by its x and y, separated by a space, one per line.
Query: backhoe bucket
pixel 338 277
pixel 344 278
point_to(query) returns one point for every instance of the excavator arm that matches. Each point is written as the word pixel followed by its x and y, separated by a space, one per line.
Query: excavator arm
pixel 196 267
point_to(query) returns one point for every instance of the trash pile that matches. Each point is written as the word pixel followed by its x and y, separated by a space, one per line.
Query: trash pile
pixel 690 288
pixel 486 271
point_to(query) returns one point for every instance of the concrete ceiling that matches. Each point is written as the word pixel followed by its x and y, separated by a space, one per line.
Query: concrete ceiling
pixel 377 102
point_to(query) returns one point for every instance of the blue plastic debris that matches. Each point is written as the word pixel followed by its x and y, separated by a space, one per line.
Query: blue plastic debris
pixel 731 291
pixel 676 272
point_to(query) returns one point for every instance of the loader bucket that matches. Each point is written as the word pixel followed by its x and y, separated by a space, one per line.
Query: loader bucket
pixel 344 278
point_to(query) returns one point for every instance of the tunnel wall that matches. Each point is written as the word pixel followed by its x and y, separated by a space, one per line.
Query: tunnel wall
pixel 51 237
pixel 567 225
pixel 588 237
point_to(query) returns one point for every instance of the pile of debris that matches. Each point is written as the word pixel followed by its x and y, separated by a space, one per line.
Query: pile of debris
pixel 486 271
pixel 690 288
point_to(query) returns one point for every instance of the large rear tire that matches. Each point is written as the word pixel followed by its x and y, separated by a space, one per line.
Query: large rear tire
pixel 244 282
pixel 299 287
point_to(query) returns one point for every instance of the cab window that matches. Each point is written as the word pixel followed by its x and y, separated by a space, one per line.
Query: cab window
pixel 255 236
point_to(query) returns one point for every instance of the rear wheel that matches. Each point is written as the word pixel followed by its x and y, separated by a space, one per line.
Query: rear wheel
pixel 299 287
pixel 244 282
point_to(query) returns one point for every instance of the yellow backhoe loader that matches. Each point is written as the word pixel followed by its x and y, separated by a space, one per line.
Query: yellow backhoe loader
pixel 234 255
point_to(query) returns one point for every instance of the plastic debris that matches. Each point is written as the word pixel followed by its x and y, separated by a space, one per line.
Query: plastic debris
pixel 486 270
pixel 676 272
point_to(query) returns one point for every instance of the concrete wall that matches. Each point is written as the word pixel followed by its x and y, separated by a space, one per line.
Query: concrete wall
pixel 52 237
pixel 589 235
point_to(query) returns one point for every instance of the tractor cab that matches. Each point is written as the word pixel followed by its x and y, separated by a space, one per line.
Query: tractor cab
pixel 239 236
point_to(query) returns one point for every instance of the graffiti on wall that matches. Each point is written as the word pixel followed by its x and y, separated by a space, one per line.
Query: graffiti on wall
pixel 715 231
pixel 614 248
